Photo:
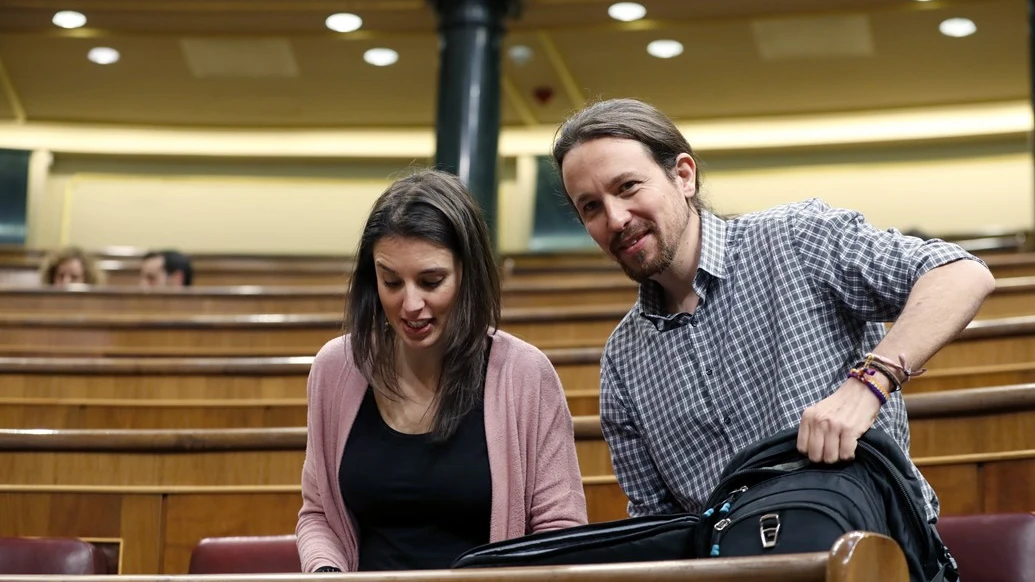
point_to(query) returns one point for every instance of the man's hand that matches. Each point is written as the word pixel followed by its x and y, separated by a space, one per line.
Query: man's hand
pixel 831 428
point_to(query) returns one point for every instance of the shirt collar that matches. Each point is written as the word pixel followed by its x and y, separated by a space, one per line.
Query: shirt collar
pixel 712 263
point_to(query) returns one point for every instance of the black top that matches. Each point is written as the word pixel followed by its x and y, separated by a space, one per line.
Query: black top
pixel 416 504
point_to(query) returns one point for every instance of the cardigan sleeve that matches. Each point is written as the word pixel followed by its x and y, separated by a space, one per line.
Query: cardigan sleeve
pixel 318 545
pixel 557 499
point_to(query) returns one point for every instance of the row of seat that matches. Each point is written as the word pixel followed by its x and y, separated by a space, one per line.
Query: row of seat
pixel 988 548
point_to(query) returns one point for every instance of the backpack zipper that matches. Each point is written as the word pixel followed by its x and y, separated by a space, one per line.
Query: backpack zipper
pixel 917 521
pixel 726 523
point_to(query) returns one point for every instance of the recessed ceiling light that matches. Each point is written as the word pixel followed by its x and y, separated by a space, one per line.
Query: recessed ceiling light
pixel 381 57
pixel 520 54
pixel 343 22
pixel 69 19
pixel 957 27
pixel 665 49
pixel 626 11
pixel 103 55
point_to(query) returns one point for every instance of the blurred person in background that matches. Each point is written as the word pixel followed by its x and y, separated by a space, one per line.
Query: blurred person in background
pixel 166 269
pixel 70 266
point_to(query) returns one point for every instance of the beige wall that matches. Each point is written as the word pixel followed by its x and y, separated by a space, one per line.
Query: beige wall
pixel 942 190
pixel 944 171
pixel 230 206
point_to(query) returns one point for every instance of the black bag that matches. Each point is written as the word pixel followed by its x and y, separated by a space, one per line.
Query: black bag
pixel 771 500
pixel 638 539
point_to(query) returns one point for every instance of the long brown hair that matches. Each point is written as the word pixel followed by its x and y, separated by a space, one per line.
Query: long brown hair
pixel 432 206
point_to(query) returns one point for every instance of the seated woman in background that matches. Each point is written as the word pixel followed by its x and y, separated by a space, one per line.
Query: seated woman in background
pixel 68 266
pixel 430 432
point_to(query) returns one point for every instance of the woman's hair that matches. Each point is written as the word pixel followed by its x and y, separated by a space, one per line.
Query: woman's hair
pixel 434 207
pixel 48 268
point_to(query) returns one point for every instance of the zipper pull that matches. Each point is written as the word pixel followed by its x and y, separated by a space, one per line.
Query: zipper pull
pixel 721 525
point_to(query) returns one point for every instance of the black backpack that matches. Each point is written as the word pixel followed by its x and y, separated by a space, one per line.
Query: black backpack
pixel 636 539
pixel 771 500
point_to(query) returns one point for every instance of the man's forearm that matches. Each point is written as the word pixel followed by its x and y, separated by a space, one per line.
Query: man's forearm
pixel 943 301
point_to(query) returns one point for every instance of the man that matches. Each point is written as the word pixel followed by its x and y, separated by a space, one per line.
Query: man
pixel 747 326
pixel 166 269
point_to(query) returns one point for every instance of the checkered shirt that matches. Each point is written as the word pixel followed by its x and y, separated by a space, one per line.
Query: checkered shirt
pixel 790 299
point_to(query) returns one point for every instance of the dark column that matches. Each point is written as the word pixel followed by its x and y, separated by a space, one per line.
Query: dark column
pixel 14 195
pixel 468 120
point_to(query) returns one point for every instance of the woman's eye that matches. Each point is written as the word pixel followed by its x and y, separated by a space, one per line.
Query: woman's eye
pixel 433 284
pixel 391 284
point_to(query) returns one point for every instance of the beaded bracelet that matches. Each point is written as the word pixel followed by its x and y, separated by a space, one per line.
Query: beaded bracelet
pixel 861 375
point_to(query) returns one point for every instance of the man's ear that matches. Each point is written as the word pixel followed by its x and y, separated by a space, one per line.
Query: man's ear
pixel 176 277
pixel 685 175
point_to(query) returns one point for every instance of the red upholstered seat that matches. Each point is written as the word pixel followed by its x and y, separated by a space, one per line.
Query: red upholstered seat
pixel 992 547
pixel 50 556
pixel 245 555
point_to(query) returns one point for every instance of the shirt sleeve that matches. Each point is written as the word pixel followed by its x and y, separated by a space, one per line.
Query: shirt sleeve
pixel 870 271
pixel 317 543
pixel 558 500
pixel 633 465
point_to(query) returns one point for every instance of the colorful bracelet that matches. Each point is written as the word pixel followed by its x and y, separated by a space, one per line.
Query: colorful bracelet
pixel 900 365
pixel 861 375
pixel 870 363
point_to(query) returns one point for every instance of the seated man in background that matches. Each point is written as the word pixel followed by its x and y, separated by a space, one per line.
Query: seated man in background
pixel 70 266
pixel 166 269
pixel 751 325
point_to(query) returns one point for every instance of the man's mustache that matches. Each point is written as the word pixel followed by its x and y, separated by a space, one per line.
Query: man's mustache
pixel 630 233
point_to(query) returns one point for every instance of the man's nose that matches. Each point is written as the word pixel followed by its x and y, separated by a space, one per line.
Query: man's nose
pixel 617 215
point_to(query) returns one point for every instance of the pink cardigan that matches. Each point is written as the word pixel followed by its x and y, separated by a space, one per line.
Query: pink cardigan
pixel 536 483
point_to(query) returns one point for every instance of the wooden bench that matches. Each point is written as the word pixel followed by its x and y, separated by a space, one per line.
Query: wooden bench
pixel 158 522
pixel 982 343
pixel 279 299
pixel 968 422
pixel 260 334
pixel 1012 297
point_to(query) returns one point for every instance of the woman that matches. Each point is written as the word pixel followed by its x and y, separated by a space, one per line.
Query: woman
pixel 429 431
pixel 69 266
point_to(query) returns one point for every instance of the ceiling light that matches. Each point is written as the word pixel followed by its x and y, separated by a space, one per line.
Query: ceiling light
pixel 665 49
pixel 520 54
pixel 103 55
pixel 958 27
pixel 69 19
pixel 626 11
pixel 381 57
pixel 343 22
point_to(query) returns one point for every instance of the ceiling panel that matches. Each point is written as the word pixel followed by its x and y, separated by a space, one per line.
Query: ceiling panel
pixel 721 72
pixel 577 53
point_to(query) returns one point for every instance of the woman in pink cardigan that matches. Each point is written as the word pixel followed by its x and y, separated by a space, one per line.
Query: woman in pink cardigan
pixel 430 431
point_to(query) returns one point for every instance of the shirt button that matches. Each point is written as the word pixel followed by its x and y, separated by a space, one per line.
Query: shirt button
pixel 726 420
pixel 708 371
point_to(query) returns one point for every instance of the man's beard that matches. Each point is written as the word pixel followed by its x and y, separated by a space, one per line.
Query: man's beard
pixel 642 269
pixel 639 268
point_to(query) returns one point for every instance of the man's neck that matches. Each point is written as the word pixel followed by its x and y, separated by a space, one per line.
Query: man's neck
pixel 678 280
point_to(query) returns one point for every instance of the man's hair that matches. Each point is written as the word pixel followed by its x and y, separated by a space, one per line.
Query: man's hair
pixel 627 119
pixel 435 207
pixel 173 261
